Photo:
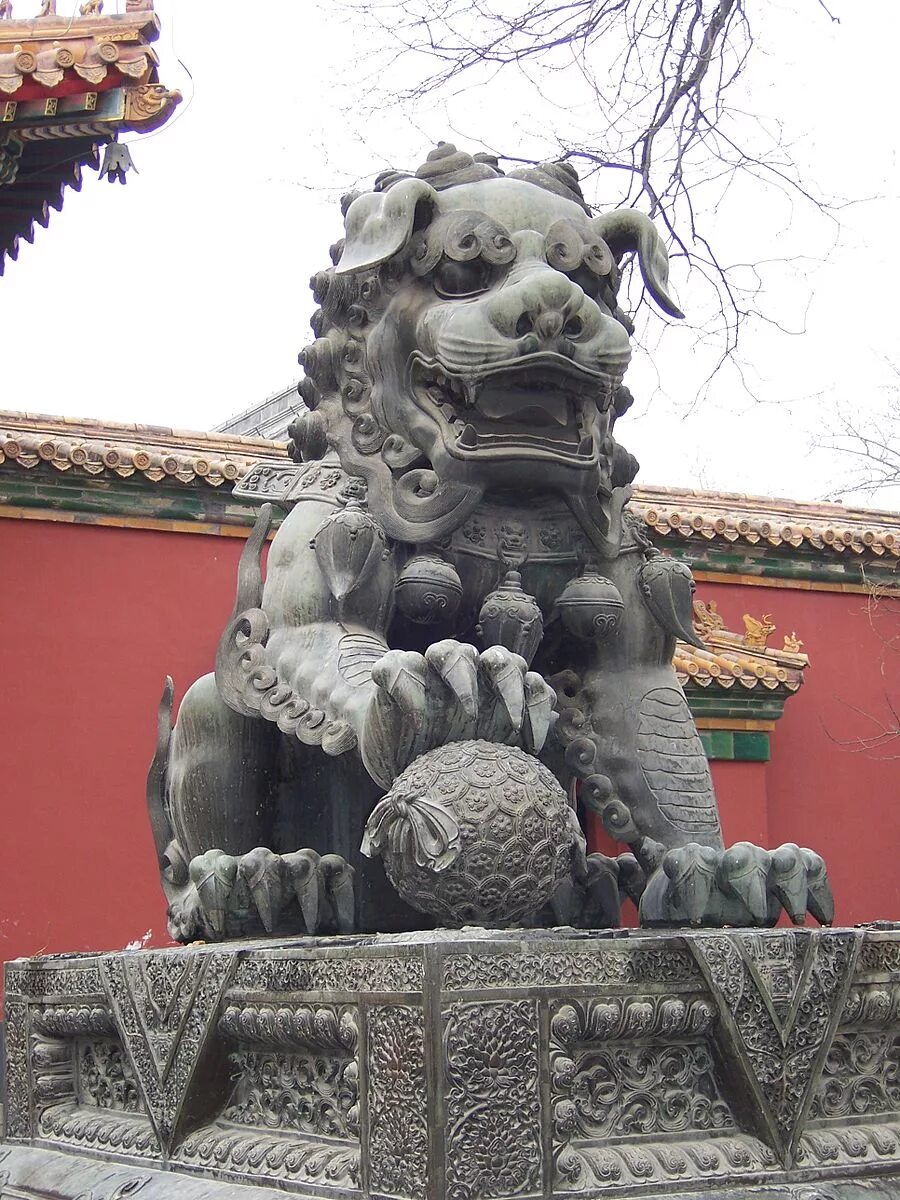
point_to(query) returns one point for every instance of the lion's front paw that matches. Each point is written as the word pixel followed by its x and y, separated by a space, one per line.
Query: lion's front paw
pixel 743 885
pixel 260 891
pixel 451 693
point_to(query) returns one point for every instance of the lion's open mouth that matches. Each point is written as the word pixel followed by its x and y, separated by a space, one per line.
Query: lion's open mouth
pixel 538 406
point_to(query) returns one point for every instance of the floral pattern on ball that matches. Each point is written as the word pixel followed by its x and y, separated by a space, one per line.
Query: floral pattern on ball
pixel 475 834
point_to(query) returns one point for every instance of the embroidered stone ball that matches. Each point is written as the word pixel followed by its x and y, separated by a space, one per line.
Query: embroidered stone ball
pixel 475 834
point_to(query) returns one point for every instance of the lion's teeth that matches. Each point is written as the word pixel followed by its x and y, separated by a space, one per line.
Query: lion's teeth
pixel 586 446
pixel 468 439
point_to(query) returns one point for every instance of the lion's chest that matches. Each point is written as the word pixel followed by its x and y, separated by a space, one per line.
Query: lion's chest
pixel 541 540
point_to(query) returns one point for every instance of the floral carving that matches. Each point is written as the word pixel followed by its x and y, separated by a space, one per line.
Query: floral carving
pixel 493 1112
pixel 18 1119
pixel 398 1134
pixel 36 982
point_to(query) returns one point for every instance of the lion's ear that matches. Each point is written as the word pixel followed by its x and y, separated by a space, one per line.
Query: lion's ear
pixel 378 224
pixel 630 230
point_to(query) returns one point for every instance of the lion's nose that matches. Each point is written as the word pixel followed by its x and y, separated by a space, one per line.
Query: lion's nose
pixel 541 308
pixel 549 325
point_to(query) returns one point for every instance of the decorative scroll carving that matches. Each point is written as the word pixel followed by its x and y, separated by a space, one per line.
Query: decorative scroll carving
pixel 637 1017
pixel 625 1068
pixel 66 1021
pixel 299 1070
pixel 663 1164
pixel 105 1076
pixel 398 1134
pixel 329 975
pixel 493 1111
pixel 878 957
pixel 97 1129
pixel 18 1105
pixel 301 1025
pixel 283 483
pixel 601 964
pixel 307 1092
pixel 872 1004
pixel 270 1156
pixel 851 1145
pixel 860 1077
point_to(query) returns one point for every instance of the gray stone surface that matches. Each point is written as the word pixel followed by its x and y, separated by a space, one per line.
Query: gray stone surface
pixel 462 1065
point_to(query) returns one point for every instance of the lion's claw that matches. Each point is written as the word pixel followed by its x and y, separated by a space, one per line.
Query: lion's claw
pixel 233 896
pixel 505 673
pixel 742 885
pixel 402 674
pixel 451 693
pixel 455 663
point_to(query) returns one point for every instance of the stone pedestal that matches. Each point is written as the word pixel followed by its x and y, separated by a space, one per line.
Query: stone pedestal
pixel 469 1064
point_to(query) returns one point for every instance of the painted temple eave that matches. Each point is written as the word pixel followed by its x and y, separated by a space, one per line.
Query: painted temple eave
pixel 763 530
pixel 68 87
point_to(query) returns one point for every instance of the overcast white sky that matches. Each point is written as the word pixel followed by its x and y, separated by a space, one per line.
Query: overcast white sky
pixel 183 297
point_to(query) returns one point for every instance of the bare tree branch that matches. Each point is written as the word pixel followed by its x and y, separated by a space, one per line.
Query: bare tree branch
pixel 869 439
pixel 659 81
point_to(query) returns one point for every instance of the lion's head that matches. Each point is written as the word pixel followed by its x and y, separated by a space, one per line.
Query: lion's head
pixel 469 338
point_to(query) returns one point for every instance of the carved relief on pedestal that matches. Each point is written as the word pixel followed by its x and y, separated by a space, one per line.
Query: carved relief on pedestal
pixel 398 1101
pixel 493 1138
pixel 165 1005
pixel 293 1111
pixel 635 1097
pixel 780 1005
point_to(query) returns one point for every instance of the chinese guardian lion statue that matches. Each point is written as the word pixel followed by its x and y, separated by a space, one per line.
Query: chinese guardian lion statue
pixel 463 637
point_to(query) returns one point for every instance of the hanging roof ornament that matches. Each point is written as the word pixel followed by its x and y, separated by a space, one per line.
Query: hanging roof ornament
pixel 69 86
pixel 117 161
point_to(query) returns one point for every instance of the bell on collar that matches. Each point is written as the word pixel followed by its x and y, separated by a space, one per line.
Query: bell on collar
pixel 428 589
pixel 510 617
pixel 591 605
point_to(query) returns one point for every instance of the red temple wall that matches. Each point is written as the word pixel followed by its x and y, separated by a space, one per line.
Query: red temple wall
pixel 95 619
pixel 96 616
pixel 822 789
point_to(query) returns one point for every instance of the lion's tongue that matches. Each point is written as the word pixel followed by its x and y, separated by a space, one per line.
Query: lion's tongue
pixel 530 408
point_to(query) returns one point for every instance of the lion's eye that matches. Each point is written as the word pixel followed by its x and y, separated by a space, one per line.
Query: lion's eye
pixel 596 287
pixel 462 278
